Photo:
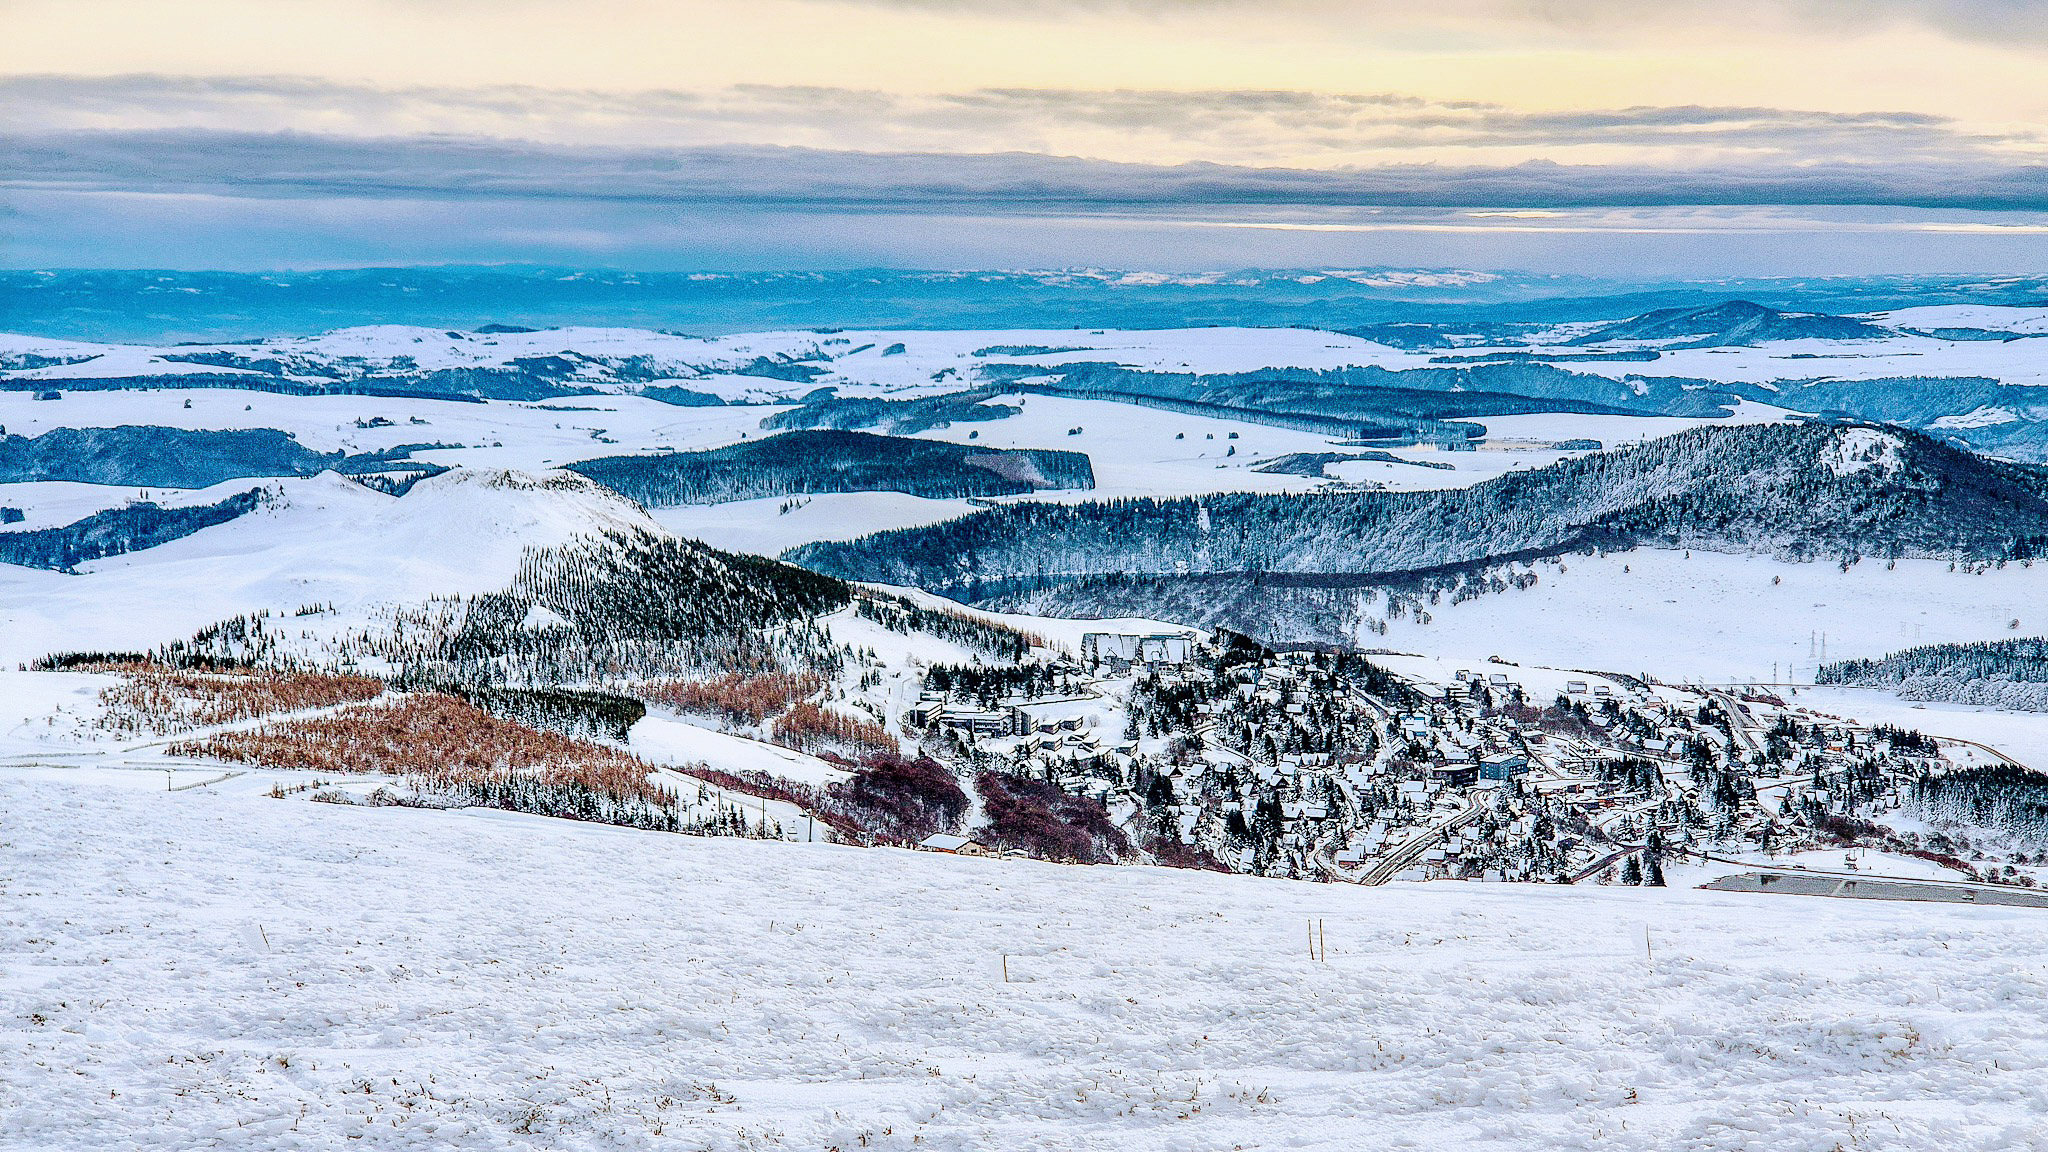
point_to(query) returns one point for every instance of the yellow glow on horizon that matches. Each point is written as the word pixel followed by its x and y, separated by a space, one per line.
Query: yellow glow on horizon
pixel 1473 52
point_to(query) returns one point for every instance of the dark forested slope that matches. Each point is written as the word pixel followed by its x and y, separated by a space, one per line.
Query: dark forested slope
pixel 118 530
pixel 148 456
pixel 836 461
pixel 1799 491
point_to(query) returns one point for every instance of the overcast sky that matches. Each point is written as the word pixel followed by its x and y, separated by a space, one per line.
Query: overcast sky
pixel 1739 135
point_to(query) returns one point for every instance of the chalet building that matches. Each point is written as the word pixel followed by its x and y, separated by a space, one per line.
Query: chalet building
pixel 1503 766
pixel 953 845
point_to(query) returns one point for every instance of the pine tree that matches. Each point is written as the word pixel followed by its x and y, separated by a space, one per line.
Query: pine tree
pixel 1631 871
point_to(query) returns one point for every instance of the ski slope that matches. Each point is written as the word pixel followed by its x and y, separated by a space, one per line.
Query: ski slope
pixel 215 968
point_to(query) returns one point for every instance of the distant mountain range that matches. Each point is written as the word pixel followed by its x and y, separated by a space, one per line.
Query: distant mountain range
pixel 151 306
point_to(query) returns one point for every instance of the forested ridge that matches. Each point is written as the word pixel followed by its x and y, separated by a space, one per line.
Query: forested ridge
pixel 813 461
pixel 626 606
pixel 150 456
pixel 1795 491
pixel 118 530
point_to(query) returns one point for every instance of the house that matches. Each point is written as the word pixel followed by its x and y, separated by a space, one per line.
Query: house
pixel 1453 775
pixel 1504 766
pixel 953 845
pixel 1575 687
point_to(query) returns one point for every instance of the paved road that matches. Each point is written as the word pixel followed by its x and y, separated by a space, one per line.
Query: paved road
pixel 1856 887
pixel 1738 722
pixel 1410 852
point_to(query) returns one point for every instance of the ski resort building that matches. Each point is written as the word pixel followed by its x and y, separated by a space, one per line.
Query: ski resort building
pixel 1157 648
pixel 1505 766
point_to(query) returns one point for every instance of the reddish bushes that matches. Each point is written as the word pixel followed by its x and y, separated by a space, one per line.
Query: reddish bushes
pixel 903 800
pixel 734 697
pixel 1173 852
pixel 156 699
pixel 1035 817
pixel 461 753
pixel 819 804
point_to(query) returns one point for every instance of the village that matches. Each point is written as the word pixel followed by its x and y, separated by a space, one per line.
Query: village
pixel 1368 768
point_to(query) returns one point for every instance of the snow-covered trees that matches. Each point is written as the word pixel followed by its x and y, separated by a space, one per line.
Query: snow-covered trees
pixel 1751 488
pixel 835 461
pixel 2001 673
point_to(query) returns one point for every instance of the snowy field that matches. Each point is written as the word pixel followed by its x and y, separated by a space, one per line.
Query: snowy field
pixel 1720 618
pixel 2020 735
pixel 494 434
pixel 765 528
pixel 195 969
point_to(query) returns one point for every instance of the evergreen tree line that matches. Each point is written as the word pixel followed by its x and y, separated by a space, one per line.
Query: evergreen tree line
pixel 896 417
pixel 118 530
pixel 962 628
pixel 150 456
pixel 2007 799
pixel 1765 489
pixel 988 684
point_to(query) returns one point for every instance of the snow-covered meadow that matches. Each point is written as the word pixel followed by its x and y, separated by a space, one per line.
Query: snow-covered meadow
pixel 1719 618
pixel 222 969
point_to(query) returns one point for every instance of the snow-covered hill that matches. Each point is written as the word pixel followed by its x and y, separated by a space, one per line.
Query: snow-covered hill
pixel 319 541
pixel 748 368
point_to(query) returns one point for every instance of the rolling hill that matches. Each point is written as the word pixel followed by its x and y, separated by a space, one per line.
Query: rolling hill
pixel 1794 491
pixel 812 461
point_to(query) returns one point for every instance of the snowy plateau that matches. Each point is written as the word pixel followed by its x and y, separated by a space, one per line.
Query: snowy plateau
pixel 1625 734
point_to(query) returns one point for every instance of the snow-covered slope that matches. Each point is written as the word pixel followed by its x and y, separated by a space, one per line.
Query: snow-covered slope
pixel 1706 616
pixel 316 541
pixel 199 968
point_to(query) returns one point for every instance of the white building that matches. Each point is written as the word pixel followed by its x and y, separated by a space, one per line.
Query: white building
pixel 1157 648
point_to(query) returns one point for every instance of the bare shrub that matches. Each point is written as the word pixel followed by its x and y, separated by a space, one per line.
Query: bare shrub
pixel 1034 816
pixel 432 737
pixel 155 700
pixel 1173 852
pixel 808 727
pixel 735 698
pixel 454 752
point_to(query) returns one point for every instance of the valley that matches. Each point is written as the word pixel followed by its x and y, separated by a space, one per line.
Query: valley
pixel 917 613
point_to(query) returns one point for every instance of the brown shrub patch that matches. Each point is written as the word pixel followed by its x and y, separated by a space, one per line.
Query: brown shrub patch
pixel 435 738
pixel 807 727
pixel 155 700
pixel 734 697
